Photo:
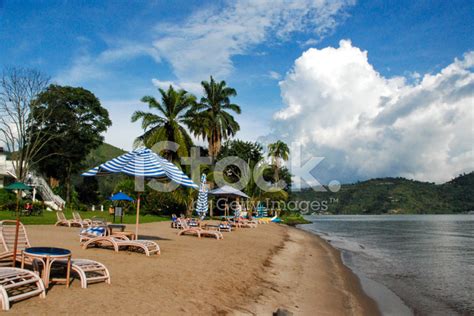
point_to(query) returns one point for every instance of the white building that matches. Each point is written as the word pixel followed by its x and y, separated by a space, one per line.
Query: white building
pixel 6 168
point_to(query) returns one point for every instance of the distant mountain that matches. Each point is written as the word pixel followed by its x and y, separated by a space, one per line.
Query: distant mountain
pixel 106 185
pixel 103 153
pixel 396 196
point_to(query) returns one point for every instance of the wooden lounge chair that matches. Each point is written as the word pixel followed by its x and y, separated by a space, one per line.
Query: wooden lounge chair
pixel 174 221
pixel 224 226
pixel 241 222
pixel 98 221
pixel 251 223
pixel 89 271
pixel 78 219
pixel 97 236
pixel 7 236
pixel 197 231
pixel 18 284
pixel 186 230
pixel 63 221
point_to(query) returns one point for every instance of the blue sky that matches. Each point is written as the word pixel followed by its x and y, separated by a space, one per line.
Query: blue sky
pixel 122 50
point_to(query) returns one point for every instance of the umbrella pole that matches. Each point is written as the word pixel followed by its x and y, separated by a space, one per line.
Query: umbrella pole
pixel 17 229
pixel 138 216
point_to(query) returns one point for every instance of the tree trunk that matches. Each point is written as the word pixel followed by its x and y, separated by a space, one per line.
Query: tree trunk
pixel 189 207
pixel 275 176
pixel 277 168
pixel 68 184
pixel 214 145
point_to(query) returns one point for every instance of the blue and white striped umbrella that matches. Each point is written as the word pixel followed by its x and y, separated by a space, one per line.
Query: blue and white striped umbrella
pixel 202 203
pixel 142 162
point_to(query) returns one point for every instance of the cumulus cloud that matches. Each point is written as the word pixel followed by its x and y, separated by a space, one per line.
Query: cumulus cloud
pixel 206 42
pixel 339 107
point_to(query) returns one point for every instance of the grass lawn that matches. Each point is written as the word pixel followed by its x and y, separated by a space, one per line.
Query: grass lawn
pixel 50 217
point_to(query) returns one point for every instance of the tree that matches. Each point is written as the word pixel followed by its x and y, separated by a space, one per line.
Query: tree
pixel 278 151
pixel 249 152
pixel 167 125
pixel 78 116
pixel 19 89
pixel 210 119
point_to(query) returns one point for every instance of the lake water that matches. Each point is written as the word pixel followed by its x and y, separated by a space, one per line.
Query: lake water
pixel 426 260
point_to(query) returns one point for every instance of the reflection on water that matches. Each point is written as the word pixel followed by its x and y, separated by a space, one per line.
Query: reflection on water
pixel 427 260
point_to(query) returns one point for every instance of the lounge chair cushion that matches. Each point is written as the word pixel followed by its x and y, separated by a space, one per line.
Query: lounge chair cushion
pixel 94 231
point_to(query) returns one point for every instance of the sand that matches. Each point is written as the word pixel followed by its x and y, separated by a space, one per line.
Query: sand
pixel 250 272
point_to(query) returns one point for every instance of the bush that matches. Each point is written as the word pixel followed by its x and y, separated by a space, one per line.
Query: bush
pixel 6 197
pixel 293 218
pixel 9 206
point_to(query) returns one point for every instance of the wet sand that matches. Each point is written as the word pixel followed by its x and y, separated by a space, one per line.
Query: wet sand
pixel 250 272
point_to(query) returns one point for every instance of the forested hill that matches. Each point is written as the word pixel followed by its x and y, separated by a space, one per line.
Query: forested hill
pixel 397 195
pixel 102 154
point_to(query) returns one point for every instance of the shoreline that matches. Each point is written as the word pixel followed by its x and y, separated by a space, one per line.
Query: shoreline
pixel 317 281
pixel 388 302
pixel 249 272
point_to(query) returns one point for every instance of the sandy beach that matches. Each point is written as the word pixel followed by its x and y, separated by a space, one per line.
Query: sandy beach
pixel 250 272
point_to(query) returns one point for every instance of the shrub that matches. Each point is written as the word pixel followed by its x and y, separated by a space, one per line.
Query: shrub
pixel 6 197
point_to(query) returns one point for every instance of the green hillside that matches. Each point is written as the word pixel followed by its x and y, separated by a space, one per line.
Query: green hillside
pixel 105 185
pixel 103 153
pixel 397 196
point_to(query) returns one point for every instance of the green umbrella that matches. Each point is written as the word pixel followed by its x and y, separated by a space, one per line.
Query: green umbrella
pixel 17 186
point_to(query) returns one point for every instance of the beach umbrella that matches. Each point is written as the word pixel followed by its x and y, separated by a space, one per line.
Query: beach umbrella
pixel 142 163
pixel 228 191
pixel 19 187
pixel 120 197
pixel 202 203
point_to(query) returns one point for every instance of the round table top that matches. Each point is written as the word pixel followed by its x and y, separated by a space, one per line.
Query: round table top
pixel 116 225
pixel 47 251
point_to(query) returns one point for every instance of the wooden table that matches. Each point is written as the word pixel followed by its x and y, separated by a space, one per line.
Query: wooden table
pixel 111 227
pixel 47 256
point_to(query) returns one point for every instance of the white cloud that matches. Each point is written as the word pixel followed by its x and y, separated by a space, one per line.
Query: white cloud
pixel 86 66
pixel 192 87
pixel 366 125
pixel 274 75
pixel 205 43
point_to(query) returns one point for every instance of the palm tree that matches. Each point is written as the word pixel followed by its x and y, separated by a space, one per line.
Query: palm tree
pixel 167 124
pixel 210 118
pixel 278 151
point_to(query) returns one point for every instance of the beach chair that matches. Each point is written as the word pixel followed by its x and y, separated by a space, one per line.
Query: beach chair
pixel 63 221
pixel 192 222
pixel 224 226
pixel 247 223
pixel 18 284
pixel 89 271
pixel 98 221
pixel 78 219
pixel 7 235
pixel 97 236
pixel 197 231
pixel 174 221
